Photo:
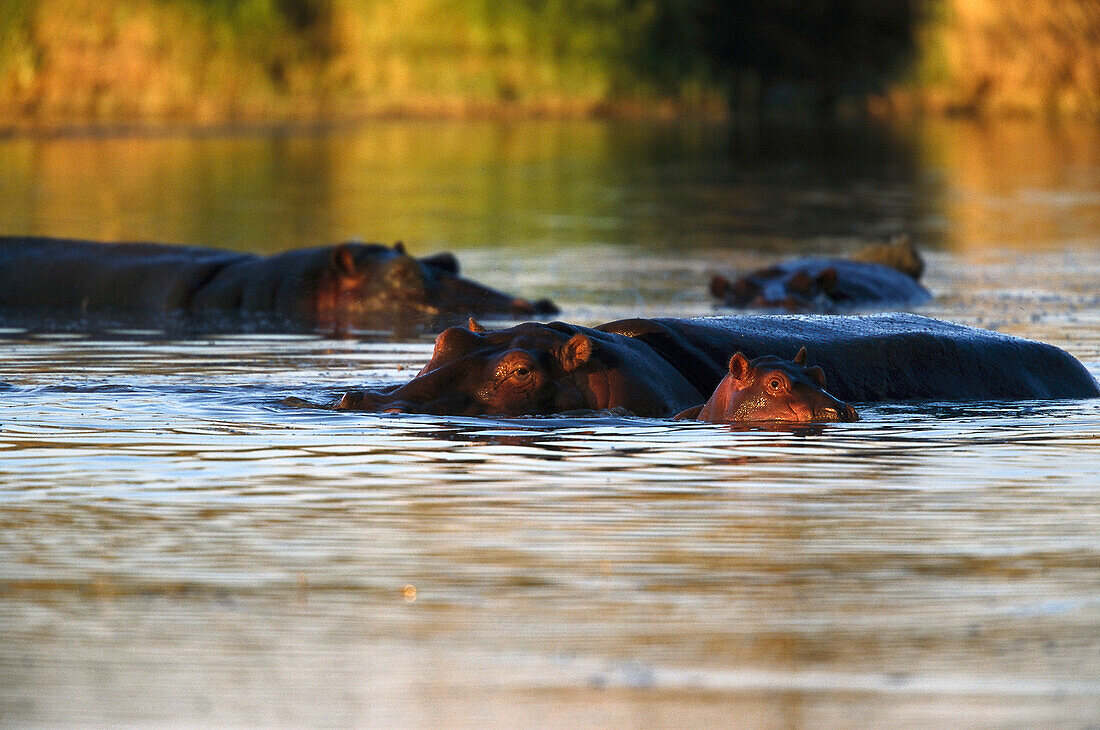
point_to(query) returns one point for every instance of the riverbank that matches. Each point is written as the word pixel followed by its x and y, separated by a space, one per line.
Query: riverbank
pixel 1002 58
pixel 164 63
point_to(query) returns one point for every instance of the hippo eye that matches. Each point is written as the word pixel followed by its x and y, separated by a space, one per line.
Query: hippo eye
pixel 775 384
pixel 522 371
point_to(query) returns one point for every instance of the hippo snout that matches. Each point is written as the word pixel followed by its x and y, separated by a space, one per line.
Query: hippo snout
pixel 841 413
pixel 545 306
pixel 365 400
pixel 525 307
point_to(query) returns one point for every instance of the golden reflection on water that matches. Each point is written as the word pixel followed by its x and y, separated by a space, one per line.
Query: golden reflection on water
pixel 543 185
pixel 419 182
pixel 1022 184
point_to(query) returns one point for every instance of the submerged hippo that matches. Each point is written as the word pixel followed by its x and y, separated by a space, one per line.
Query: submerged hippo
pixel 769 388
pixel 347 286
pixel 660 367
pixel 882 275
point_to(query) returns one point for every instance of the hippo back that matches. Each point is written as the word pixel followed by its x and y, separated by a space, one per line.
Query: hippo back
pixel 72 283
pixel 63 277
pixel 872 357
pixel 860 283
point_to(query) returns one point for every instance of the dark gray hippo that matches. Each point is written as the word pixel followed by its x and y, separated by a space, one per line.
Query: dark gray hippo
pixel 347 286
pixel 660 367
pixel 883 275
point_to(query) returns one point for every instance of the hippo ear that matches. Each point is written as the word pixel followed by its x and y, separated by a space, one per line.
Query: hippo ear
pixel 576 352
pixel 399 247
pixel 444 261
pixel 719 285
pixel 746 288
pixel 801 283
pixel 475 327
pixel 817 375
pixel 456 340
pixel 827 280
pixel 800 358
pixel 740 367
pixel 737 293
pixel 343 260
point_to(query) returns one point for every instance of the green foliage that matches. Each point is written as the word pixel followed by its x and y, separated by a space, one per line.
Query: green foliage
pixel 268 54
pixel 14 18
pixel 14 15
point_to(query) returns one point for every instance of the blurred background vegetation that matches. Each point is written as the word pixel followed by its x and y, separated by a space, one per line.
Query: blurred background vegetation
pixel 241 61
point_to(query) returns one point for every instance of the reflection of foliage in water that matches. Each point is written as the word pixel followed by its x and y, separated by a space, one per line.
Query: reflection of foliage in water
pixel 530 186
pixel 541 186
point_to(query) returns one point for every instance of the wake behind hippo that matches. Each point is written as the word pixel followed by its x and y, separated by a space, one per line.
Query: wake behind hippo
pixel 882 275
pixel 335 288
pixel 660 367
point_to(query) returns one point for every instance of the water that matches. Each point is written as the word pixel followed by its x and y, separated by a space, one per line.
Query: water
pixel 177 547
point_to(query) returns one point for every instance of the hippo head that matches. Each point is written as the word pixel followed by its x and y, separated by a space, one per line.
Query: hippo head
pixel 770 389
pixel 365 280
pixel 534 369
pixel 777 288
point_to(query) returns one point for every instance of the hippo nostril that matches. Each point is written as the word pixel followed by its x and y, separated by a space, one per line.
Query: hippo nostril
pixel 842 413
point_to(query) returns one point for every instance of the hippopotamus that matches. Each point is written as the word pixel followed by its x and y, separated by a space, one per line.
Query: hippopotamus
pixel 882 275
pixel 770 389
pixel 660 367
pixel 332 288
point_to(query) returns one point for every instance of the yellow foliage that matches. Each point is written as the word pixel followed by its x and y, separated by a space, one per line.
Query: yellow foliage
pixel 244 61
pixel 1019 57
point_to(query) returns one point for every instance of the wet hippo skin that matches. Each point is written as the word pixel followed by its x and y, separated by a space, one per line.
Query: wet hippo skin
pixel 771 389
pixel 349 285
pixel 882 275
pixel 659 367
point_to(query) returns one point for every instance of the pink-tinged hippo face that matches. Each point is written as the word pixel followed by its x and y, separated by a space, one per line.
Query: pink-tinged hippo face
pixel 770 389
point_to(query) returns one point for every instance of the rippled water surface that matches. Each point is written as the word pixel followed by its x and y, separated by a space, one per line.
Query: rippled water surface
pixel 178 547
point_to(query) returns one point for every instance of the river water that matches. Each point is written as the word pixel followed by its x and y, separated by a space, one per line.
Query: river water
pixel 178 548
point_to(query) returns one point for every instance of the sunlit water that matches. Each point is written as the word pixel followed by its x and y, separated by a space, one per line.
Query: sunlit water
pixel 178 547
